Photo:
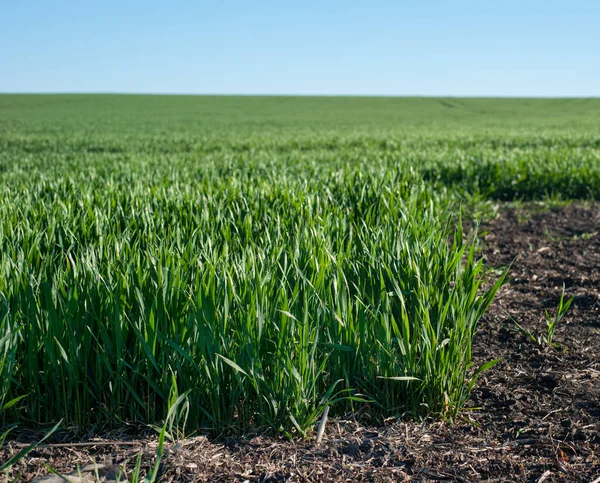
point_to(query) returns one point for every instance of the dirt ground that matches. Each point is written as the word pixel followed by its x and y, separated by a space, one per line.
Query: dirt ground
pixel 534 417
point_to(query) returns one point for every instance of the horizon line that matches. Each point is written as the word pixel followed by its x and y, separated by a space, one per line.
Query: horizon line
pixel 381 96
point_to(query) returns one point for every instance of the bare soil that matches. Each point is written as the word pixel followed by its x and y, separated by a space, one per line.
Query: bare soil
pixel 534 417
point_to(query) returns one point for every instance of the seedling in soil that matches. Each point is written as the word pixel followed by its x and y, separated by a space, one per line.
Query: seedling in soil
pixel 547 339
pixel 552 322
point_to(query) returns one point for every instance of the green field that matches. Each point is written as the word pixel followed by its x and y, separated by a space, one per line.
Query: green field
pixel 264 257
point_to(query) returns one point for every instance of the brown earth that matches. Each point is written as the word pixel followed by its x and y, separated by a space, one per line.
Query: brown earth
pixel 534 417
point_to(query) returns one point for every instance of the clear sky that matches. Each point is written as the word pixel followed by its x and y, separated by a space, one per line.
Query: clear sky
pixel 428 47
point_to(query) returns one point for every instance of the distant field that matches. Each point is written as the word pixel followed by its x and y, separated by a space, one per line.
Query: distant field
pixel 199 116
pixel 198 119
pixel 266 257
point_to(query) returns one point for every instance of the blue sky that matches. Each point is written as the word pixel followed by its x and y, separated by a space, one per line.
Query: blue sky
pixel 460 48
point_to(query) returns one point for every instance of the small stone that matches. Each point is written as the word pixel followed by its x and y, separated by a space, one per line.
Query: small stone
pixel 367 446
pixel 351 449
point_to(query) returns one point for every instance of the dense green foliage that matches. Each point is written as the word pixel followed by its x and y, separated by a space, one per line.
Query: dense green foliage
pixel 269 255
